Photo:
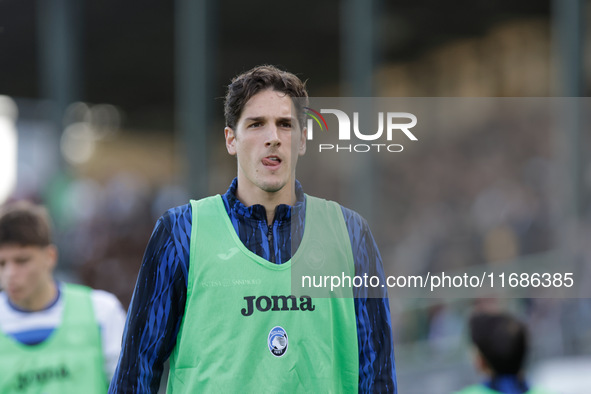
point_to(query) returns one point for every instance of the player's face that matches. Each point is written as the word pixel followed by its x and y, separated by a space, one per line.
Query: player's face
pixel 26 272
pixel 267 141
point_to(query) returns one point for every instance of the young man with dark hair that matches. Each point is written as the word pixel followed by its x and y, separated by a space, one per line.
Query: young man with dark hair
pixel 54 337
pixel 214 289
pixel 501 345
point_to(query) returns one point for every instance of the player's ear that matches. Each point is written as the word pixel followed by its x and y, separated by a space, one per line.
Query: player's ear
pixel 302 142
pixel 51 255
pixel 480 362
pixel 230 136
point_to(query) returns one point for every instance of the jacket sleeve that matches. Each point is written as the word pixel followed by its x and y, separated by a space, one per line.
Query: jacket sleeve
pixel 111 318
pixel 157 306
pixel 377 371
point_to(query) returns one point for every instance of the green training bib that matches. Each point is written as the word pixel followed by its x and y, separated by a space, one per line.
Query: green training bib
pixel 244 331
pixel 481 389
pixel 70 361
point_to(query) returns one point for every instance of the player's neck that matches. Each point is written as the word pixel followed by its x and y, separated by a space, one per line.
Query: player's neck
pixel 269 200
pixel 40 299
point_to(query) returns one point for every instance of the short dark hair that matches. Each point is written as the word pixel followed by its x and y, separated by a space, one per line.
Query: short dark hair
pixel 23 223
pixel 246 85
pixel 501 339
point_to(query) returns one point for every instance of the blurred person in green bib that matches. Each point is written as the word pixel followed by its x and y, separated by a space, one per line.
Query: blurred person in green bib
pixel 55 338
pixel 500 344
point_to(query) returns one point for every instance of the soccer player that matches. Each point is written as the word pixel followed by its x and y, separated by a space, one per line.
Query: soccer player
pixel 501 344
pixel 55 338
pixel 213 292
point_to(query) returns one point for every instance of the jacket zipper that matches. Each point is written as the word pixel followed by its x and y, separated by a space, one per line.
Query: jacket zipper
pixel 270 239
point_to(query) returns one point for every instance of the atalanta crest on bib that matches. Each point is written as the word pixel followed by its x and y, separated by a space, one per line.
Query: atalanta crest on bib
pixel 277 341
